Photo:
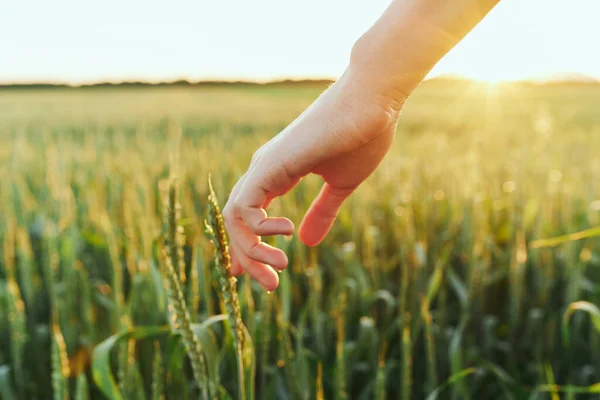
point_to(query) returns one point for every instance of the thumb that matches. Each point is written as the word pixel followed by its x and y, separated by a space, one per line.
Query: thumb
pixel 322 213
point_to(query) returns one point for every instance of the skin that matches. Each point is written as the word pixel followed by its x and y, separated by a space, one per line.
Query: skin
pixel 345 134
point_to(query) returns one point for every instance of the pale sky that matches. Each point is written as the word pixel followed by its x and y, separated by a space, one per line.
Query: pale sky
pixel 80 41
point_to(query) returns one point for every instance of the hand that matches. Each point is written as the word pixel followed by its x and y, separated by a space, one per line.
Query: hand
pixel 342 136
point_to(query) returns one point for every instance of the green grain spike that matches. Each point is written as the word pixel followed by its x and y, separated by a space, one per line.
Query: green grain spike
pixel 60 365
pixel 215 229
pixel 179 313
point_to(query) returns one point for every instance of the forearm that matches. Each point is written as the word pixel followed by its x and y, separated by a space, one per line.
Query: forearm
pixel 398 51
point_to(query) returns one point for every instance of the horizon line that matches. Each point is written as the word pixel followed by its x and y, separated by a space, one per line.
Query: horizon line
pixel 559 78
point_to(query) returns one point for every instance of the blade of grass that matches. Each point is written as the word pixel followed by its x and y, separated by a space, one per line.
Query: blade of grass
pixel 571 237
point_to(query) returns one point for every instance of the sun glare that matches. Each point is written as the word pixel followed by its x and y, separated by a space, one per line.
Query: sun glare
pixel 491 77
pixel 493 80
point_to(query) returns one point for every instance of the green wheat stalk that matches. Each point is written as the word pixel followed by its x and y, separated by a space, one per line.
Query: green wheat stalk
pixel 60 364
pixel 17 317
pixel 320 395
pixel 406 362
pixel 180 317
pixel 432 382
pixel 340 361
pixel 215 229
pixel 82 389
pixel 571 237
pixel 380 375
pixel 158 387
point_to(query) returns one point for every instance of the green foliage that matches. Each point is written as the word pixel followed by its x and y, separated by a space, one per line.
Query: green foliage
pixel 60 366
pixel 82 391
pixel 6 388
pixel 589 308
pixel 101 364
pixel 158 384
pixel 460 375
pixel 458 270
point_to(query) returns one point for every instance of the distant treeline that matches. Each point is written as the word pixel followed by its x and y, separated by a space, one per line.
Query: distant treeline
pixel 321 82
pixel 182 83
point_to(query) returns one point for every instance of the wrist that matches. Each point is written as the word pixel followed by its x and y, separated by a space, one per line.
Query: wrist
pixel 370 66
pixel 368 83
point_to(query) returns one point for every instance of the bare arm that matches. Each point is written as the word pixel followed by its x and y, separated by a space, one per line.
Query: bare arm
pixel 346 132
pixel 411 37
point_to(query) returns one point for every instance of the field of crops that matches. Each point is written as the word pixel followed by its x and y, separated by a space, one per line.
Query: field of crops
pixel 433 283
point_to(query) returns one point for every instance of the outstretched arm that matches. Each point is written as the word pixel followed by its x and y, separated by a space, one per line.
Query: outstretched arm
pixel 346 132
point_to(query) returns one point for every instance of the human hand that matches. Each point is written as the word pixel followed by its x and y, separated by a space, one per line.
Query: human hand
pixel 342 136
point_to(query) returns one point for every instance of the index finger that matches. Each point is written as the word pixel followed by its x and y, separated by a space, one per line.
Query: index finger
pixel 249 205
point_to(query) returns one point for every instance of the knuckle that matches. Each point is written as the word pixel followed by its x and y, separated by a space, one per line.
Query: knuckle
pixel 256 227
pixel 257 156
pixel 252 268
pixel 262 155
pixel 229 220
pixel 253 250
pixel 237 205
pixel 287 172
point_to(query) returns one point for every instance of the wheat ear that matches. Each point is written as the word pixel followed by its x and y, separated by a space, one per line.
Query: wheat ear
pixel 215 229
pixel 180 315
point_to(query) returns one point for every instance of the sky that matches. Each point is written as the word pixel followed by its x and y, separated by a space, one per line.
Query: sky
pixel 77 41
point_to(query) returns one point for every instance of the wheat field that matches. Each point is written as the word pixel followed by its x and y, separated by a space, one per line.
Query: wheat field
pixel 467 266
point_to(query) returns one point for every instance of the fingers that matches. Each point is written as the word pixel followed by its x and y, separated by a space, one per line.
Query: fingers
pixel 258 270
pixel 257 266
pixel 246 221
pixel 249 205
pixel 250 245
pixel 256 219
pixel 321 215
pixel 236 267
pixel 263 273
